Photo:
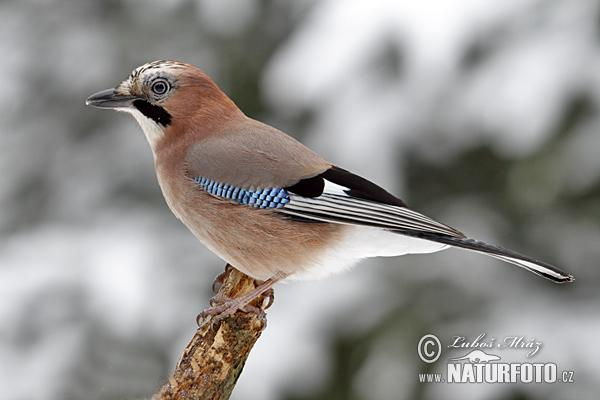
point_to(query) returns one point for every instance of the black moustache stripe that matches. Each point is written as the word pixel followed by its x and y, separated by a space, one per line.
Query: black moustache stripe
pixel 154 112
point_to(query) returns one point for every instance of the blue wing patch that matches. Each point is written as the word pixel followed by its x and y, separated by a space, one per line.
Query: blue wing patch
pixel 260 198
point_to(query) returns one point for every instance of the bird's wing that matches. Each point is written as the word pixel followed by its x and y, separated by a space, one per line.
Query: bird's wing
pixel 339 196
pixel 253 155
pixel 323 198
pixel 349 199
pixel 257 165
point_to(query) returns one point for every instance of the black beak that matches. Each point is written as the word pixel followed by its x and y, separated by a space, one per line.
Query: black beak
pixel 109 99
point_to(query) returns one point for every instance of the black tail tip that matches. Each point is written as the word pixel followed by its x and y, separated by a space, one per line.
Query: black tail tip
pixel 565 279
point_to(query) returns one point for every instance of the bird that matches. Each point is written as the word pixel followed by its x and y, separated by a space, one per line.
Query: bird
pixel 264 202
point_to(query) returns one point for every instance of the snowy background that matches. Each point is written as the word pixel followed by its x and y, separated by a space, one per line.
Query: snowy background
pixel 482 114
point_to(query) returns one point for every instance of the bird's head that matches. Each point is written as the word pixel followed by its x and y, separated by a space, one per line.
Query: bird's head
pixel 167 96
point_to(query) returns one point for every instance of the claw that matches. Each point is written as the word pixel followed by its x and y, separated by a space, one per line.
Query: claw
pixel 268 297
pixel 218 282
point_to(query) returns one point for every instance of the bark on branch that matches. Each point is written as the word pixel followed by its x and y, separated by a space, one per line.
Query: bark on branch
pixel 213 360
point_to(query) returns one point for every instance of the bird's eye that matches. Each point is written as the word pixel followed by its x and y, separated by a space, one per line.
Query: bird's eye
pixel 160 87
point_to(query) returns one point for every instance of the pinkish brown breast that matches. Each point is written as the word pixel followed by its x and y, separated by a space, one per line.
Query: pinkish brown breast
pixel 255 241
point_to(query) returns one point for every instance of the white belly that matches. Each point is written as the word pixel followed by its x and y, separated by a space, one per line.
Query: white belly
pixel 361 242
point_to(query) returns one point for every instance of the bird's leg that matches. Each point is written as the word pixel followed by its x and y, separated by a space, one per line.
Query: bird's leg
pixel 223 307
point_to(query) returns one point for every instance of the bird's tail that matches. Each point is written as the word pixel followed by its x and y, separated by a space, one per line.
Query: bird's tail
pixel 537 267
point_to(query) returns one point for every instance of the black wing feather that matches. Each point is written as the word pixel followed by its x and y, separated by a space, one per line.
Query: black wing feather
pixel 358 187
pixel 361 203
pixel 364 203
pixel 309 187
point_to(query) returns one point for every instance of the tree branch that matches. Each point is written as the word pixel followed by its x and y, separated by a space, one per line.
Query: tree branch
pixel 213 360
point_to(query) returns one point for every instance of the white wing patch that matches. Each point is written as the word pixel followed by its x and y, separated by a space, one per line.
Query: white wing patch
pixel 336 206
pixel 334 188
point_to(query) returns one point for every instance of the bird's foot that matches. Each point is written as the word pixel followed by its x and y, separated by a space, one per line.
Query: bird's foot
pixel 222 307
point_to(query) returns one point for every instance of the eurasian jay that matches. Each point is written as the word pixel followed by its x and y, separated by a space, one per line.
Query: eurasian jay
pixel 261 200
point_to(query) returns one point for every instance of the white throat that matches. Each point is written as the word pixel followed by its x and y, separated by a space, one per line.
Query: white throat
pixel 153 131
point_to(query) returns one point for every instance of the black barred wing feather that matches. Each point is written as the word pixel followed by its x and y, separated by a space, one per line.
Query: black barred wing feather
pixel 338 196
